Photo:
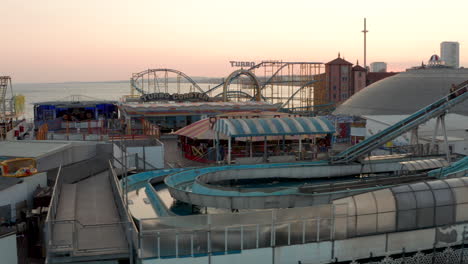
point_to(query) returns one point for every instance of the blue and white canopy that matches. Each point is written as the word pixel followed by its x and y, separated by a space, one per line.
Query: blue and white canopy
pixel 254 127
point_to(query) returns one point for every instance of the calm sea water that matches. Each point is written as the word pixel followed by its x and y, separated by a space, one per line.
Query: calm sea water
pixel 41 92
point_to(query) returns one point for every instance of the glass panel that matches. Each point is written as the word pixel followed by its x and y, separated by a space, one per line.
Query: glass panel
pixel 185 244
pixel 264 238
pixel 402 188
pixel 311 231
pixel 405 201
pixel 296 232
pixel 437 185
pixel 351 226
pixel 325 228
pixel 200 243
pixel 340 228
pixel 234 239
pixel 424 199
pixel 443 197
pixel 366 224
pixel 444 215
pixel 342 208
pixel 167 243
pixel 386 222
pixel 365 204
pixel 250 237
pixel 281 235
pixel 455 182
pixel 385 200
pixel 462 212
pixel 425 217
pixel 420 186
pixel 461 194
pixel 217 239
pixel 261 217
pixel 465 180
pixel 406 220
pixel 149 246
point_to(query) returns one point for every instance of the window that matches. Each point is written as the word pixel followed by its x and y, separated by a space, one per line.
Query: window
pixel 334 87
pixel 344 79
pixel 344 71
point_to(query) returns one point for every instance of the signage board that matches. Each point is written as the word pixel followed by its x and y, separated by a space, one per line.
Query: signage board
pixel 195 96
pixel 242 64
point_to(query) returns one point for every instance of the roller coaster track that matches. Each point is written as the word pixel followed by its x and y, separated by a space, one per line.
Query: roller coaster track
pixel 436 109
pixel 234 77
pixel 139 75
pixel 296 92
pixel 238 94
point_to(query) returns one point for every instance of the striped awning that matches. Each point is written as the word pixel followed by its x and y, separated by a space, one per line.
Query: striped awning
pixel 200 130
pixel 274 126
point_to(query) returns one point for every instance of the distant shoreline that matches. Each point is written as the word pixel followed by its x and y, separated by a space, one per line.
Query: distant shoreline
pixel 213 80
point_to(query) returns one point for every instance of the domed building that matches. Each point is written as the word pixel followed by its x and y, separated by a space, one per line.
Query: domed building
pixel 405 93
pixel 390 100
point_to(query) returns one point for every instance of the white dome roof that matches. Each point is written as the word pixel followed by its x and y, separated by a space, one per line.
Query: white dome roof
pixel 405 93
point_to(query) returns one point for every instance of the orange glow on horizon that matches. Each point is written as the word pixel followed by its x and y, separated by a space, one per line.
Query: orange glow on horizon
pixel 56 41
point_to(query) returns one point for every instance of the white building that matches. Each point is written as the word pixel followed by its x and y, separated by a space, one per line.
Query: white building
pixel 378 67
pixel 450 53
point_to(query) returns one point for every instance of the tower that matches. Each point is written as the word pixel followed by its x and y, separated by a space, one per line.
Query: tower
pixel 365 43
pixel 450 53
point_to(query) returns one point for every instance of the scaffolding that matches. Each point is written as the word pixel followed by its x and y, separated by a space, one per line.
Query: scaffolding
pixel 290 84
pixel 11 106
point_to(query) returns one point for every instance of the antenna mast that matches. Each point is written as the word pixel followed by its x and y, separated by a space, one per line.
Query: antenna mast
pixel 365 41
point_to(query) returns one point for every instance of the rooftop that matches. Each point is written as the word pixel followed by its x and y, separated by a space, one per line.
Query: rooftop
pixel 30 149
pixel 409 91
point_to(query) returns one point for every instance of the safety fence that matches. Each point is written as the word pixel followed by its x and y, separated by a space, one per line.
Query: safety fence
pixel 94 129
pixel 200 235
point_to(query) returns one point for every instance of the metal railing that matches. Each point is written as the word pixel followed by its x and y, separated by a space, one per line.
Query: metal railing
pixel 52 213
pixel 199 235
pixel 70 237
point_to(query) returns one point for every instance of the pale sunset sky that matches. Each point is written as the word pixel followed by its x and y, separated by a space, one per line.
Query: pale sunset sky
pixel 101 40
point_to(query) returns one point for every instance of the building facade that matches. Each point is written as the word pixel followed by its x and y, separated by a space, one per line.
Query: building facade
pixel 450 53
pixel 338 80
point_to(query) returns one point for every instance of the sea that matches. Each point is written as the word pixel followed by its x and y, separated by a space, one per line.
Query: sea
pixel 43 92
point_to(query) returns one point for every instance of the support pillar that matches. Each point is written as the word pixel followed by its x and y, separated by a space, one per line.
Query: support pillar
pixel 265 155
pixel 229 150
pixel 284 144
pixel 217 146
pixel 414 136
pixel 300 147
pixel 434 135
pixel 251 152
pixel 447 149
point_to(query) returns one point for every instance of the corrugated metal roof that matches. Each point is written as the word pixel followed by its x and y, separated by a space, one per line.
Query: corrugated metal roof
pixel 274 126
pixel 212 108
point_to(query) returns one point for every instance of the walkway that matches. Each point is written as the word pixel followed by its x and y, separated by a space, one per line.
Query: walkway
pixel 87 223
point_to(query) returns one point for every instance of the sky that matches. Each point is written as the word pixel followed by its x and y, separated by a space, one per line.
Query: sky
pixel 89 40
